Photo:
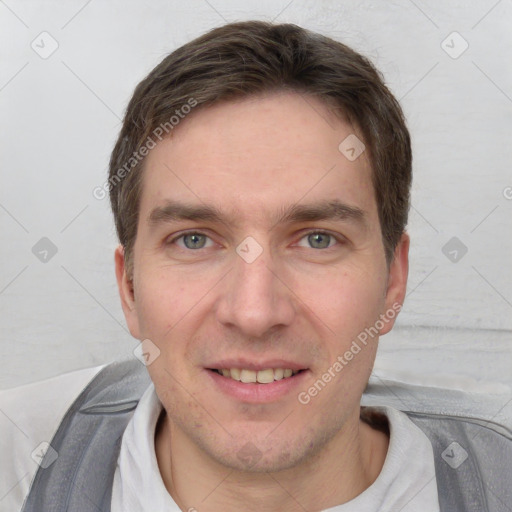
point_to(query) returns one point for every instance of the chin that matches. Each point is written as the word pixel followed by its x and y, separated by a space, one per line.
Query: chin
pixel 267 454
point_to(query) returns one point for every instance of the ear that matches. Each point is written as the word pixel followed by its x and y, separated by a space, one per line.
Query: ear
pixel 126 293
pixel 397 282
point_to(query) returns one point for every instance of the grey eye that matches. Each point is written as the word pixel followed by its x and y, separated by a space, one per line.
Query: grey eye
pixel 194 241
pixel 319 240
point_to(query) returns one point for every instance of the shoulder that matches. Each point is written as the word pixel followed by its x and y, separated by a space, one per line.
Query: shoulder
pixel 29 417
pixel 471 438
pixel 444 403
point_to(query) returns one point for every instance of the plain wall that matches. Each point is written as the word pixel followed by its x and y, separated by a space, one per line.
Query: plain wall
pixel 60 116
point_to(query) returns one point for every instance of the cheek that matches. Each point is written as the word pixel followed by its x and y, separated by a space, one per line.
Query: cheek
pixel 346 301
pixel 166 309
pixel 163 299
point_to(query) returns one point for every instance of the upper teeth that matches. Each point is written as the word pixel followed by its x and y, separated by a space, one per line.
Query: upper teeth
pixel 261 376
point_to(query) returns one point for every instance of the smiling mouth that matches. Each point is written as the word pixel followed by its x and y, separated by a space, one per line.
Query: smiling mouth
pixel 252 376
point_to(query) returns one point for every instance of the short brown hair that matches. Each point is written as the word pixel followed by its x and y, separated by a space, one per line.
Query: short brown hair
pixel 253 57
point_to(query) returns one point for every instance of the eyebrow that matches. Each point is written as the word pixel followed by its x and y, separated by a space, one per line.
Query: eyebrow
pixel 174 211
pixel 324 210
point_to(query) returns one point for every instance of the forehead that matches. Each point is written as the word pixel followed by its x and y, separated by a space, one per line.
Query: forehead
pixel 255 155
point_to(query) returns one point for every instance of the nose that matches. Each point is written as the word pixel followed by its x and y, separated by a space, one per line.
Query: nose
pixel 254 298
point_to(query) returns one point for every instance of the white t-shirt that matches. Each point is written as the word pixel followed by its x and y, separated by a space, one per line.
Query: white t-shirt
pixel 407 481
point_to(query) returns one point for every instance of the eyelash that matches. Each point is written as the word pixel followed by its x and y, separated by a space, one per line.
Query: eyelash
pixel 338 238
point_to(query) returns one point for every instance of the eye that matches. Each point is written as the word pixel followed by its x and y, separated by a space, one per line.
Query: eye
pixel 192 241
pixel 318 240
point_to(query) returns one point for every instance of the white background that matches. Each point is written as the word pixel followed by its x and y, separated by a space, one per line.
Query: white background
pixel 61 115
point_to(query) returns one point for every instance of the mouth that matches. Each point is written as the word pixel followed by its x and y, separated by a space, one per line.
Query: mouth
pixel 248 376
pixel 259 384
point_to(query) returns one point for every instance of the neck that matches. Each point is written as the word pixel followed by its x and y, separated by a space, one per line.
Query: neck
pixel 353 459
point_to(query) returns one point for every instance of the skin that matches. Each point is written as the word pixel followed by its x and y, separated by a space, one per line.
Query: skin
pixel 251 159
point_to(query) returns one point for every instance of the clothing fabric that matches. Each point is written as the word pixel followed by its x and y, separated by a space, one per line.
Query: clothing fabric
pixel 32 416
pixel 406 483
pixel 29 416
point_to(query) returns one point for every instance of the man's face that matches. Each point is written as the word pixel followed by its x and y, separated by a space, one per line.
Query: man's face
pixel 259 248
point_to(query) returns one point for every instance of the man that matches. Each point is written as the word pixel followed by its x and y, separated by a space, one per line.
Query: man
pixel 260 189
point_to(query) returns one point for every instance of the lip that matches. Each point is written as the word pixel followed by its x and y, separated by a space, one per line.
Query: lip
pixel 256 393
pixel 246 364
